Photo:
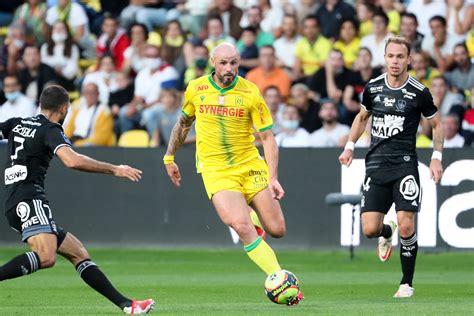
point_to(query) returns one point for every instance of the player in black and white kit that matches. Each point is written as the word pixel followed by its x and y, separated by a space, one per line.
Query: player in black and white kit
pixel 32 143
pixel 395 101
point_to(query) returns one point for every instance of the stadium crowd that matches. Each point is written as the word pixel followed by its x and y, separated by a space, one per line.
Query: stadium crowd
pixel 126 63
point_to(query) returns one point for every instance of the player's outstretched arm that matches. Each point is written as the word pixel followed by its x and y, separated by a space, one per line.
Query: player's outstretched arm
pixel 357 128
pixel 73 160
pixel 270 148
pixel 436 168
pixel 177 138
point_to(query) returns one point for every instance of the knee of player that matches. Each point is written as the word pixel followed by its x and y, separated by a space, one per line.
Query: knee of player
pixel 406 229
pixel 47 260
pixel 242 228
pixel 278 231
pixel 370 231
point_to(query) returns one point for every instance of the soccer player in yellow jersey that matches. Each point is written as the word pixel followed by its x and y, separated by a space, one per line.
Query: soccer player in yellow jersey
pixel 226 107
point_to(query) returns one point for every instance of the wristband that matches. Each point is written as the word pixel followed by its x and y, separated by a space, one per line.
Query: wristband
pixel 437 155
pixel 168 160
pixel 350 145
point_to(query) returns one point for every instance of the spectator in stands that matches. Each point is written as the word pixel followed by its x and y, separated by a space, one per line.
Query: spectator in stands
pixel 388 7
pixel 91 123
pixel 150 13
pixel 408 29
pixel 272 16
pixel 424 11
pixel 31 15
pixel 333 81
pixel 330 15
pixel 439 44
pixel 200 63
pixel 172 46
pixel 113 41
pixel 332 133
pixel 363 68
pixel 365 13
pixel 75 16
pixel 61 54
pixel 421 70
pixel 12 50
pixel 123 94
pixel 194 16
pixel 36 74
pixel 307 107
pixel 254 19
pixel 156 75
pixel 348 42
pixel 461 76
pixel 230 16
pixel 17 104
pixel 286 44
pixel 376 42
pixel 166 117
pixel 273 99
pixel 300 9
pixel 134 55
pixel 216 34
pixel 460 17
pixel 311 50
pixel 451 127
pixel 291 135
pixel 248 50
pixel 268 74
pixel 442 97
pixel 105 78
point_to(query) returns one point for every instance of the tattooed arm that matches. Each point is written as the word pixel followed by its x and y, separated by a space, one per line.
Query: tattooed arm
pixel 177 138
pixel 436 168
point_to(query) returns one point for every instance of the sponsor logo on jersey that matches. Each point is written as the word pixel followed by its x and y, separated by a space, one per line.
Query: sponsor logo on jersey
pixel 376 89
pixel 409 188
pixel 24 131
pixel 387 126
pixel 401 106
pixel 30 123
pixel 407 94
pixel 15 174
pixel 221 110
pixel 202 88
pixel 388 101
pixel 221 100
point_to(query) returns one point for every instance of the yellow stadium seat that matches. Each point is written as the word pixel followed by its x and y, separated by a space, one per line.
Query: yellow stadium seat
pixel 3 31
pixel 134 138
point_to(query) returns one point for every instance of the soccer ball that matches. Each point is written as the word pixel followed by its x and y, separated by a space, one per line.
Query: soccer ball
pixel 281 287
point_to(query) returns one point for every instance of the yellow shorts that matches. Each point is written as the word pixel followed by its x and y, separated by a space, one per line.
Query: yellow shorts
pixel 248 179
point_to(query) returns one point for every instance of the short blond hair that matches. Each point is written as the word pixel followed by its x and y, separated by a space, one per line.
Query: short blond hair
pixel 400 40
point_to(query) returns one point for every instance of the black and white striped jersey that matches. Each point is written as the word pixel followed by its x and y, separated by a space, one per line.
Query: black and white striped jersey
pixel 32 143
pixel 396 114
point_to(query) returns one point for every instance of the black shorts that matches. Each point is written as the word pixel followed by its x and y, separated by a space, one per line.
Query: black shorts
pixel 401 187
pixel 32 217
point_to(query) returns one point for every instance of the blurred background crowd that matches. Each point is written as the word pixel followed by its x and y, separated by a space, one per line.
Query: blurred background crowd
pixel 127 63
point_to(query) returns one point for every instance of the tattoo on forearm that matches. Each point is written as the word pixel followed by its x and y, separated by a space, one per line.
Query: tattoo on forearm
pixel 438 138
pixel 179 134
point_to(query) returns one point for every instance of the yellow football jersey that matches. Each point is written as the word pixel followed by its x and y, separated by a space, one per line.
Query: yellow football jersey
pixel 224 121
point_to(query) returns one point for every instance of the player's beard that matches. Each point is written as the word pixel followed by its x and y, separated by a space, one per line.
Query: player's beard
pixel 225 79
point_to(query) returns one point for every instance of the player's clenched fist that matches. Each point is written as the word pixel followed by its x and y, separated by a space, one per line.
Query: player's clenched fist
pixel 346 157
pixel 173 172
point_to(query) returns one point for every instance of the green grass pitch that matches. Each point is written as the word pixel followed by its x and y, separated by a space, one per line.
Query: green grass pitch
pixel 225 282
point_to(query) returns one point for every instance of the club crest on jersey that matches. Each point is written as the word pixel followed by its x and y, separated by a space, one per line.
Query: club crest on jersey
pixel 239 100
pixel 387 126
pixel 220 100
pixel 401 106
pixel 388 101
pixel 23 211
